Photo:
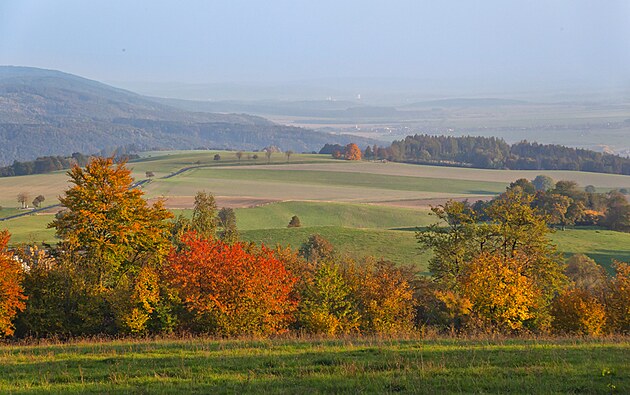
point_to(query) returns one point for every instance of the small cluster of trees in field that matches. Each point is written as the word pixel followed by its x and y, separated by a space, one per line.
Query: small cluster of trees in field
pixel 123 266
pixel 348 152
pixel 495 153
pixel 565 203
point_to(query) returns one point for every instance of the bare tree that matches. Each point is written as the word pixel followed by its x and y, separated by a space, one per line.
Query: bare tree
pixel 288 154
pixel 23 198
pixel 239 155
pixel 268 155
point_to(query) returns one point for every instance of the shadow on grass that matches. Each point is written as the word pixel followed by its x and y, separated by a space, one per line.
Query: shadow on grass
pixel 382 367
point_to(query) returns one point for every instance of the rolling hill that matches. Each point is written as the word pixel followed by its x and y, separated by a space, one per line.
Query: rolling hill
pixel 47 112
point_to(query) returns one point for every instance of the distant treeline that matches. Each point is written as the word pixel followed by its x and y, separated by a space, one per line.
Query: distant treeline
pixel 47 164
pixel 495 153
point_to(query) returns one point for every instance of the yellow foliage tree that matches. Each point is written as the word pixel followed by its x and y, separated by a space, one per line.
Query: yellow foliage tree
pixel 502 296
pixel 577 311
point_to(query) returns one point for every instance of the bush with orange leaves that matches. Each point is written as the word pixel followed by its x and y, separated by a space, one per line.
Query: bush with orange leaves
pixel 578 311
pixel 11 294
pixel 232 289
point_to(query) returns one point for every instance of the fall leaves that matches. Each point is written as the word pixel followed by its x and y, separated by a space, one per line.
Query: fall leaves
pixel 234 288
pixel 11 293
pixel 122 268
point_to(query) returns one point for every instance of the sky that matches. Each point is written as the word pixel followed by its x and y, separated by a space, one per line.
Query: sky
pixel 274 41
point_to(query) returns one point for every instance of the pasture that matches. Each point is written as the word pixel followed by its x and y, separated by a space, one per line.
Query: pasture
pixel 350 365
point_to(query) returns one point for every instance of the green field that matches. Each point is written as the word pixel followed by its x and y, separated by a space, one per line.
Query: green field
pixel 356 229
pixel 353 365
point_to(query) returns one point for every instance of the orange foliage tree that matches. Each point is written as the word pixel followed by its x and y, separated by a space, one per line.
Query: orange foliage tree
pixel 232 289
pixel 352 152
pixel 117 240
pixel 11 294
pixel 577 311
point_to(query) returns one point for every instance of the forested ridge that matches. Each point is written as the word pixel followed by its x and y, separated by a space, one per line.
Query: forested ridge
pixel 495 153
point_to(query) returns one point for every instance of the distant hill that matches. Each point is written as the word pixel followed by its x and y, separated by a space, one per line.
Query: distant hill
pixel 47 112
pixel 468 102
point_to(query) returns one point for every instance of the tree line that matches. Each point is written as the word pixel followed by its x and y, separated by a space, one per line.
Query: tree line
pixel 48 164
pixel 495 153
pixel 123 266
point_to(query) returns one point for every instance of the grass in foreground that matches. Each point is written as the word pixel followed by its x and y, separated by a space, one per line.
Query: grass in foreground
pixel 319 366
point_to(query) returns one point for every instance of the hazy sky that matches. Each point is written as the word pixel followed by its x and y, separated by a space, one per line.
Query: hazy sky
pixel 270 41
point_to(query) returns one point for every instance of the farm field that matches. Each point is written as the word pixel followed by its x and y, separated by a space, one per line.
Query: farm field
pixel 352 365
pixel 302 179
pixel 356 229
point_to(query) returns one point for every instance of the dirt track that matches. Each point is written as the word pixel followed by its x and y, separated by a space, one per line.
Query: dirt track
pixel 188 202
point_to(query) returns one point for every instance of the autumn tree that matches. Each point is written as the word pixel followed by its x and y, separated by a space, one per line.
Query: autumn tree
pixel 383 295
pixel 513 231
pixel 316 248
pixel 288 154
pixel 116 239
pixel 578 311
pixel 232 289
pixel 352 152
pixel 11 293
pixel 618 299
pixel 501 294
pixel 326 304
pixel 239 155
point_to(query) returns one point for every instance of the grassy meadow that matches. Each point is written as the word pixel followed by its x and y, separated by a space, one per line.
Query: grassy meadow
pixel 364 365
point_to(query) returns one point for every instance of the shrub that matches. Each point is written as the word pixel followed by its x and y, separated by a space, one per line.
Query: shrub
pixel 232 289
pixel 577 311
pixel 618 299
pixel 11 293
pixel 295 222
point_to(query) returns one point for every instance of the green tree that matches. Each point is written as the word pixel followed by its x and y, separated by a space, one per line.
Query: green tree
pixel 227 221
pixel 295 222
pixel 204 215
pixel 543 183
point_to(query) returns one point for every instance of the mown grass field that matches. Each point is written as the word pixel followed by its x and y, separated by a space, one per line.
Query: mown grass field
pixel 311 366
